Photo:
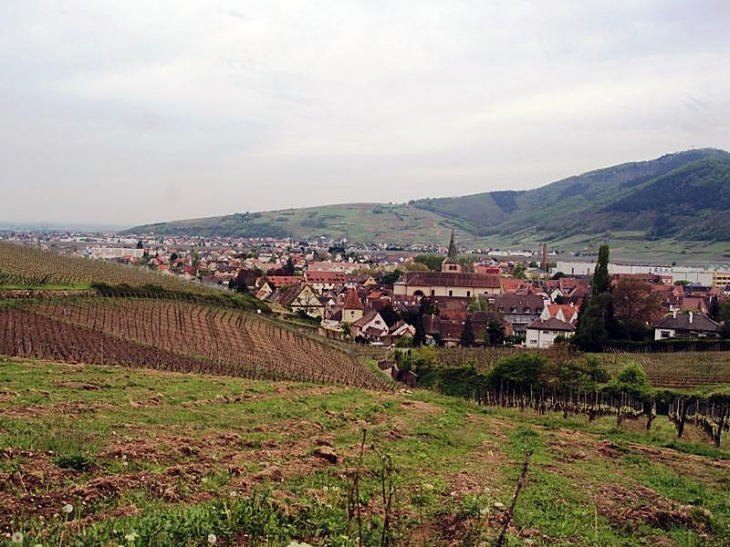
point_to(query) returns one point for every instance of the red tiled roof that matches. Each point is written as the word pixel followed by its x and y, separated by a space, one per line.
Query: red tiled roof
pixel 446 279
pixel 352 302
pixel 279 281
pixel 325 277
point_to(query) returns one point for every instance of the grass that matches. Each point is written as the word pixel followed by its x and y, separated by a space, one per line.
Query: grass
pixel 167 459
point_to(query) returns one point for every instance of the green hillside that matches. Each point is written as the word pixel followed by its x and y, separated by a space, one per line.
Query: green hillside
pixel 649 210
pixel 562 208
pixel 362 222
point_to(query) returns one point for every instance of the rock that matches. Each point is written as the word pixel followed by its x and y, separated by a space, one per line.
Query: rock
pixel 530 533
pixel 499 505
pixel 272 473
pixel 326 453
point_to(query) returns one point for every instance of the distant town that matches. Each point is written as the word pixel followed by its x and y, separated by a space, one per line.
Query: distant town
pixel 385 295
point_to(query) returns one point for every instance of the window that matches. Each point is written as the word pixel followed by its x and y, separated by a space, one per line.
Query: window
pixel 451 293
pixel 666 334
pixel 433 293
pixel 468 294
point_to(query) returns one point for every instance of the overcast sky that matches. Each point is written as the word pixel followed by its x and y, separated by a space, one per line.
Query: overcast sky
pixel 140 111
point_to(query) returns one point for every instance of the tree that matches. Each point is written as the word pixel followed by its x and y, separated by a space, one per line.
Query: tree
pixel 289 268
pixel 389 278
pixel 596 321
pixel 632 380
pixel 420 337
pixel 723 312
pixel 495 333
pixel 523 370
pixel 636 306
pixel 389 315
pixel 601 280
pixel 467 334
pixel 432 262
pixel 519 271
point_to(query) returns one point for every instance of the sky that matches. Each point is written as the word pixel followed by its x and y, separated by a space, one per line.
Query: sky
pixel 128 112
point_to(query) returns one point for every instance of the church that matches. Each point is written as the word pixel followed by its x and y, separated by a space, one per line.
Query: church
pixel 451 281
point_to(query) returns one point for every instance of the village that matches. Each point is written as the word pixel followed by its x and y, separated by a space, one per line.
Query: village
pixel 432 295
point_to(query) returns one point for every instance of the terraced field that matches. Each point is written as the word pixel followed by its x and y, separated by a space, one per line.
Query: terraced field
pixel 173 335
pixel 30 267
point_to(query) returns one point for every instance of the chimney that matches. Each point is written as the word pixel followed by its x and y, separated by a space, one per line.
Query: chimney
pixel 691 315
pixel 674 313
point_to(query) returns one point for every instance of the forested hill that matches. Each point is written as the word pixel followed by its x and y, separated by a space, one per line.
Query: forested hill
pixel 682 196
pixel 600 197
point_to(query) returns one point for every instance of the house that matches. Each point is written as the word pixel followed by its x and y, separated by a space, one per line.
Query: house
pixel 519 310
pixel 352 309
pixel 371 326
pixel 326 280
pixel 542 333
pixel 568 313
pixel 688 325
pixel 399 330
pixel 299 297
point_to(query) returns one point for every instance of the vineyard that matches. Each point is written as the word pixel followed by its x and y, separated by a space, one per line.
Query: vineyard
pixel 105 455
pixel 679 370
pixel 30 267
pixel 713 419
pixel 176 336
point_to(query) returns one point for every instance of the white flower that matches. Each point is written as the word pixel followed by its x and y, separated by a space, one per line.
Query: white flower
pixel 295 543
pixel 233 493
pixel 68 508
pixel 17 538
pixel 212 539
pixel 131 537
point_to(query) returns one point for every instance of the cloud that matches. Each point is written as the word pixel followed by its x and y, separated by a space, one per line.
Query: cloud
pixel 220 107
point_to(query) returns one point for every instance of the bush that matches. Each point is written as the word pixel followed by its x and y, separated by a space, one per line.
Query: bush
pixel 523 370
pixel 631 380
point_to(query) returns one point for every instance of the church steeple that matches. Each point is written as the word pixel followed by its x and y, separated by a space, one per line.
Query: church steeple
pixel 453 255
pixel 451 264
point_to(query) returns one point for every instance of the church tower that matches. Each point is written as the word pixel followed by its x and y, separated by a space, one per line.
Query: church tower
pixel 451 264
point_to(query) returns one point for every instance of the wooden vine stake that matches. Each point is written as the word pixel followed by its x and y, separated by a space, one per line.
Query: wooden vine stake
pixel 518 489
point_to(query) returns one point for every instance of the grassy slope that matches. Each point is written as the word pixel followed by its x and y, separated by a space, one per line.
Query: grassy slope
pixel 364 222
pixel 175 457
pixel 23 266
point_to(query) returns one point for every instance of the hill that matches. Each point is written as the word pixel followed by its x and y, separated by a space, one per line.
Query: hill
pixel 557 207
pixel 22 266
pixel 99 455
pixel 360 222
pixel 681 197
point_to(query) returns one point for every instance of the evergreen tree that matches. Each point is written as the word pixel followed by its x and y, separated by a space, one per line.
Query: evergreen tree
pixel 601 280
pixel 467 334
pixel 420 337
pixel 495 333
pixel 596 322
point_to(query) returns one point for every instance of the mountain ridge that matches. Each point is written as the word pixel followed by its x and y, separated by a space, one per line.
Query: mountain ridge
pixel 636 200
